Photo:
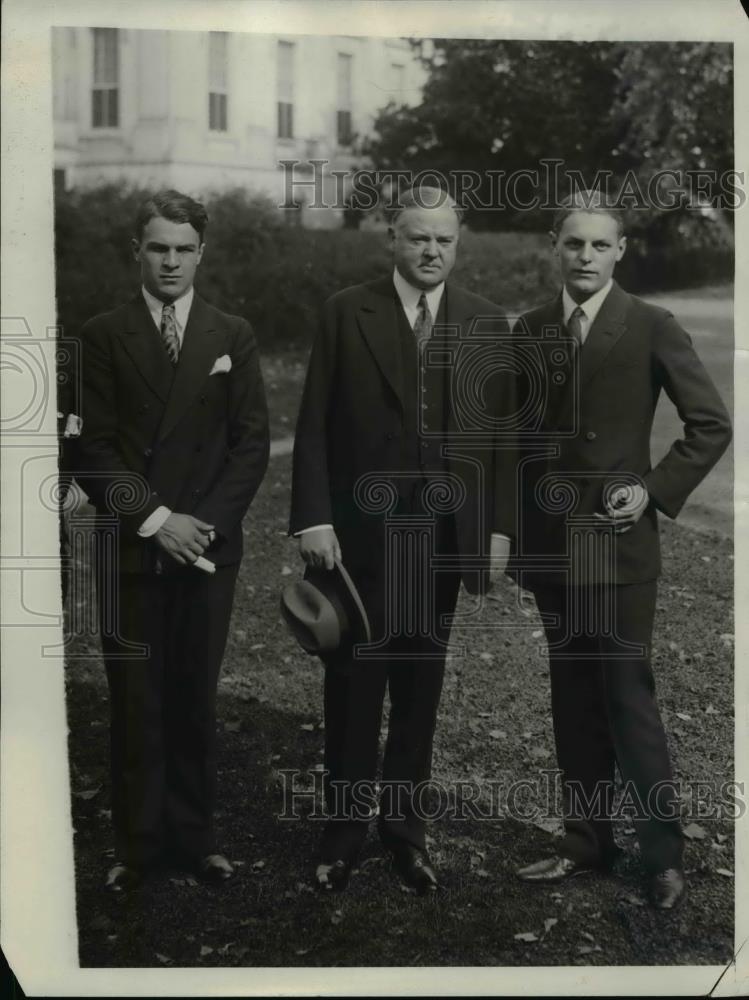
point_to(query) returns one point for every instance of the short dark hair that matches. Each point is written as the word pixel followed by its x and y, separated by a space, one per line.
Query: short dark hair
pixel 587 201
pixel 174 206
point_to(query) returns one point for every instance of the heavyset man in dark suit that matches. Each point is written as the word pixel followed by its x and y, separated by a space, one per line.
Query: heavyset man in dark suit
pixel 372 427
pixel 173 448
pixel 589 545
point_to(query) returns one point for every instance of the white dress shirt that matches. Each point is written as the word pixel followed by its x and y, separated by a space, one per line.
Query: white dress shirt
pixel 181 313
pixel 590 308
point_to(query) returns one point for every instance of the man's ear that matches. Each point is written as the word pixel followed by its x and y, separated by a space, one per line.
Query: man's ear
pixel 621 248
pixel 553 238
pixel 201 248
pixel 135 244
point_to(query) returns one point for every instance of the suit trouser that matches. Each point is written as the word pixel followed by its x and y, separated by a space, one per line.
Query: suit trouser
pixel 163 710
pixel 412 669
pixel 605 713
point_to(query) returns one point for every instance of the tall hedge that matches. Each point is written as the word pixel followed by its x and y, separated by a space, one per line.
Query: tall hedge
pixel 278 276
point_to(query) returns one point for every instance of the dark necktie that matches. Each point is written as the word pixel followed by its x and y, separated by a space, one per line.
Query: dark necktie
pixel 575 326
pixel 423 324
pixel 169 333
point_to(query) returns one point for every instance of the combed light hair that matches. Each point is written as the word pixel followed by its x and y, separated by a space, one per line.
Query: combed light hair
pixel 587 201
pixel 422 196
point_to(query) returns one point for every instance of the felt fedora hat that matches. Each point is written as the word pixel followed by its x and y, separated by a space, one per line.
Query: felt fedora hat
pixel 324 612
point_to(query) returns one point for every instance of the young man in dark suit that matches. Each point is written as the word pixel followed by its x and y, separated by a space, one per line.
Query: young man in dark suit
pixel 370 452
pixel 173 448
pixel 589 502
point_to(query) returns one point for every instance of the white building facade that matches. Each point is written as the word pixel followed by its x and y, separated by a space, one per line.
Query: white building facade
pixel 208 111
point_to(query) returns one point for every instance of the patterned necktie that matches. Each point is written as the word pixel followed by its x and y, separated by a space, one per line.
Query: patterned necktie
pixel 423 324
pixel 169 333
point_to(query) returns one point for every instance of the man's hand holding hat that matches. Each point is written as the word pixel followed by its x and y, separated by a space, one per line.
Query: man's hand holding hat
pixel 319 547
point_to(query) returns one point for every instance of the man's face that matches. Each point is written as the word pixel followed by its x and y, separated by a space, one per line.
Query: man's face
pixel 424 242
pixel 168 254
pixel 588 246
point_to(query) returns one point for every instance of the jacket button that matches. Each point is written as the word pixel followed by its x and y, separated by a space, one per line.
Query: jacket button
pixel 148 452
pixel 590 436
pixel 390 436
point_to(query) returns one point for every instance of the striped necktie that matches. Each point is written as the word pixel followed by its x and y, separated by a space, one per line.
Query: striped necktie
pixel 169 333
pixel 423 324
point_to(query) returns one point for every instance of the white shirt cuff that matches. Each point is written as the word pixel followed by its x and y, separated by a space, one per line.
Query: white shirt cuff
pixel 153 522
pixel 315 527
pixel 498 534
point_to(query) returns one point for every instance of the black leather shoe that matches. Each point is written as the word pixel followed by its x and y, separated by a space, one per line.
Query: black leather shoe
pixel 415 868
pixel 121 878
pixel 332 876
pixel 667 888
pixel 551 870
pixel 214 868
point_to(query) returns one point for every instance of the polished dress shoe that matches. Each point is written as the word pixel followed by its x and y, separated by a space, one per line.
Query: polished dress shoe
pixel 332 876
pixel 121 878
pixel 415 868
pixel 667 888
pixel 214 868
pixel 554 869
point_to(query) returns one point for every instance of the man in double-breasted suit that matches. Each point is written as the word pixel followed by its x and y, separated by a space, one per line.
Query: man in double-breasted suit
pixel 589 501
pixel 376 485
pixel 173 449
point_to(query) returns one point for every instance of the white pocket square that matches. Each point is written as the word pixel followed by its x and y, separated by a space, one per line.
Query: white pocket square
pixel 221 365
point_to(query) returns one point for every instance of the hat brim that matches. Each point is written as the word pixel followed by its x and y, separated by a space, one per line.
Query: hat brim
pixel 346 591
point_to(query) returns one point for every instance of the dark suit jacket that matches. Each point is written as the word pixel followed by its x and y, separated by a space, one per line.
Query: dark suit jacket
pixel 632 352
pixel 351 422
pixel 194 442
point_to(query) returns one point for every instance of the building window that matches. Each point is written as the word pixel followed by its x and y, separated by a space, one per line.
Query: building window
pixel 105 94
pixel 285 90
pixel 343 115
pixel 218 76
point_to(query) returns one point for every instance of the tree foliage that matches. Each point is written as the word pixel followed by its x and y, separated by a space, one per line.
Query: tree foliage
pixel 492 105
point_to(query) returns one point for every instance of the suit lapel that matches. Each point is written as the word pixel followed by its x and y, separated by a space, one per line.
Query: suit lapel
pixel 196 356
pixel 378 321
pixel 608 327
pixel 142 342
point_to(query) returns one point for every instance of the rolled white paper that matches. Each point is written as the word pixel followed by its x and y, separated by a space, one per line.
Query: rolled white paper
pixel 205 564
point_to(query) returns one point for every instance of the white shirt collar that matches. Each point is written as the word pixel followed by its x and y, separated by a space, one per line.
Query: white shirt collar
pixel 410 295
pixel 181 308
pixel 590 307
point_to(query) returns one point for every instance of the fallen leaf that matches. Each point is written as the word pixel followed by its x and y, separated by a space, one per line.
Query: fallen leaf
pixel 482 873
pixel 164 959
pixel 526 936
pixel 537 633
pixel 258 645
pixel 205 950
pixel 710 710
pixel 301 951
pixel 721 837
pixel 683 716
pixel 257 865
pixel 337 917
pixel 497 734
pixel 308 727
pixel 232 727
pixel 693 831
pixel 485 715
pixel 486 656
pixel 286 571
pixel 726 872
pixel 549 923
pixel 587 936
pixel 88 793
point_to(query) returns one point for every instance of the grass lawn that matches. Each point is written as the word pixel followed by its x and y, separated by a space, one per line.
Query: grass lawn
pixel 494 726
